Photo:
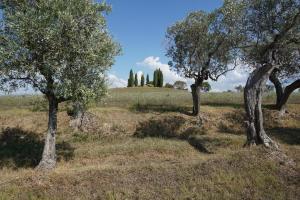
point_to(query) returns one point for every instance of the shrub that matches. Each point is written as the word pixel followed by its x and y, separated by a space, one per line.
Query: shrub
pixel 168 85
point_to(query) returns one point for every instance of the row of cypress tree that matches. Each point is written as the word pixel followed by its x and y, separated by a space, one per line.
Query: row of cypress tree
pixel 158 79
pixel 134 82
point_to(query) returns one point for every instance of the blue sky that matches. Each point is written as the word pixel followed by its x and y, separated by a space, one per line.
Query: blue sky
pixel 140 27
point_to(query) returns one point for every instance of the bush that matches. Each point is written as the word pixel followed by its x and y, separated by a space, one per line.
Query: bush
pixel 181 85
pixel 168 85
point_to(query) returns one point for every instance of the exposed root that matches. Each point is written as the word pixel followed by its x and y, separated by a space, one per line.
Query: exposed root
pixel 250 144
pixel 271 144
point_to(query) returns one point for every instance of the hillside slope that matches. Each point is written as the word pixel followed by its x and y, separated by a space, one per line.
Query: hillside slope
pixel 143 144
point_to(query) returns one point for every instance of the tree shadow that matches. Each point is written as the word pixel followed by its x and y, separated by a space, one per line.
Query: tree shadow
pixel 224 104
pixel 289 136
pixel 269 106
pixel 176 127
pixel 23 149
pixel 144 108
pixel 236 105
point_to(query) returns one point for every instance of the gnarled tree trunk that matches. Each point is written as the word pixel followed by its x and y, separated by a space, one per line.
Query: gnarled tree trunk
pixel 48 161
pixel 196 98
pixel 286 94
pixel 278 86
pixel 253 99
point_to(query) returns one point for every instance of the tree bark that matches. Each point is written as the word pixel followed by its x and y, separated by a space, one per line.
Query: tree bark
pixel 196 98
pixel 278 86
pixel 48 161
pixel 286 94
pixel 253 99
pixel 77 115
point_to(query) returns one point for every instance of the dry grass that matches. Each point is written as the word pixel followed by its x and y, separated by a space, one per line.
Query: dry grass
pixel 149 151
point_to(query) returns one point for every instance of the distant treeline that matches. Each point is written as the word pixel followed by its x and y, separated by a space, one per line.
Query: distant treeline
pixel 158 79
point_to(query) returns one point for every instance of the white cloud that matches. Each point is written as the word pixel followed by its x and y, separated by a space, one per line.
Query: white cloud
pixel 154 63
pixel 230 80
pixel 139 75
pixel 116 82
pixel 227 82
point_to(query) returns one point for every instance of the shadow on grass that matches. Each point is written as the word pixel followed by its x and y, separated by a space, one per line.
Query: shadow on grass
pixel 23 149
pixel 187 109
pixel 174 127
pixel 160 108
pixel 236 105
pixel 289 136
pixel 224 104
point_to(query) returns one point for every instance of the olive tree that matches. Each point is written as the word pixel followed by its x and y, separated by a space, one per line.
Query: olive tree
pixel 206 87
pixel 61 48
pixel 269 28
pixel 181 85
pixel 287 74
pixel 201 46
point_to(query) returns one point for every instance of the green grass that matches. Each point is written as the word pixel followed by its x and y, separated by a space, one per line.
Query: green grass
pixel 166 96
pixel 146 146
pixel 133 97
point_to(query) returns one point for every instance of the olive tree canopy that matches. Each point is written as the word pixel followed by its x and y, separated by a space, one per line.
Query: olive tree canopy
pixel 286 75
pixel 201 47
pixel 61 48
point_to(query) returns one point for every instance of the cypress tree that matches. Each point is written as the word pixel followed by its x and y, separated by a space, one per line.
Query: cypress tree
pixel 142 80
pixel 158 78
pixel 131 79
pixel 136 83
pixel 161 79
pixel 155 78
pixel 147 79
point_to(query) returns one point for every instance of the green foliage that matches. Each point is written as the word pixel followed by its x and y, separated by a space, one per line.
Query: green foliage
pixel 168 85
pixel 147 79
pixel 123 97
pixel 130 79
pixel 158 79
pixel 150 84
pixel 136 81
pixel 206 86
pixel 40 104
pixel 142 80
pixel 201 45
pixel 61 48
pixel 274 38
pixel 180 85
pixel 155 78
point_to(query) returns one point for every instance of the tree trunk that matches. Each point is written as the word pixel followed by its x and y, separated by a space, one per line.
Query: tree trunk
pixel 278 86
pixel 253 99
pixel 77 115
pixel 48 161
pixel 286 94
pixel 196 98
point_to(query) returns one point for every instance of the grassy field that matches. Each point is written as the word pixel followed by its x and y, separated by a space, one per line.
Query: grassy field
pixel 143 144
